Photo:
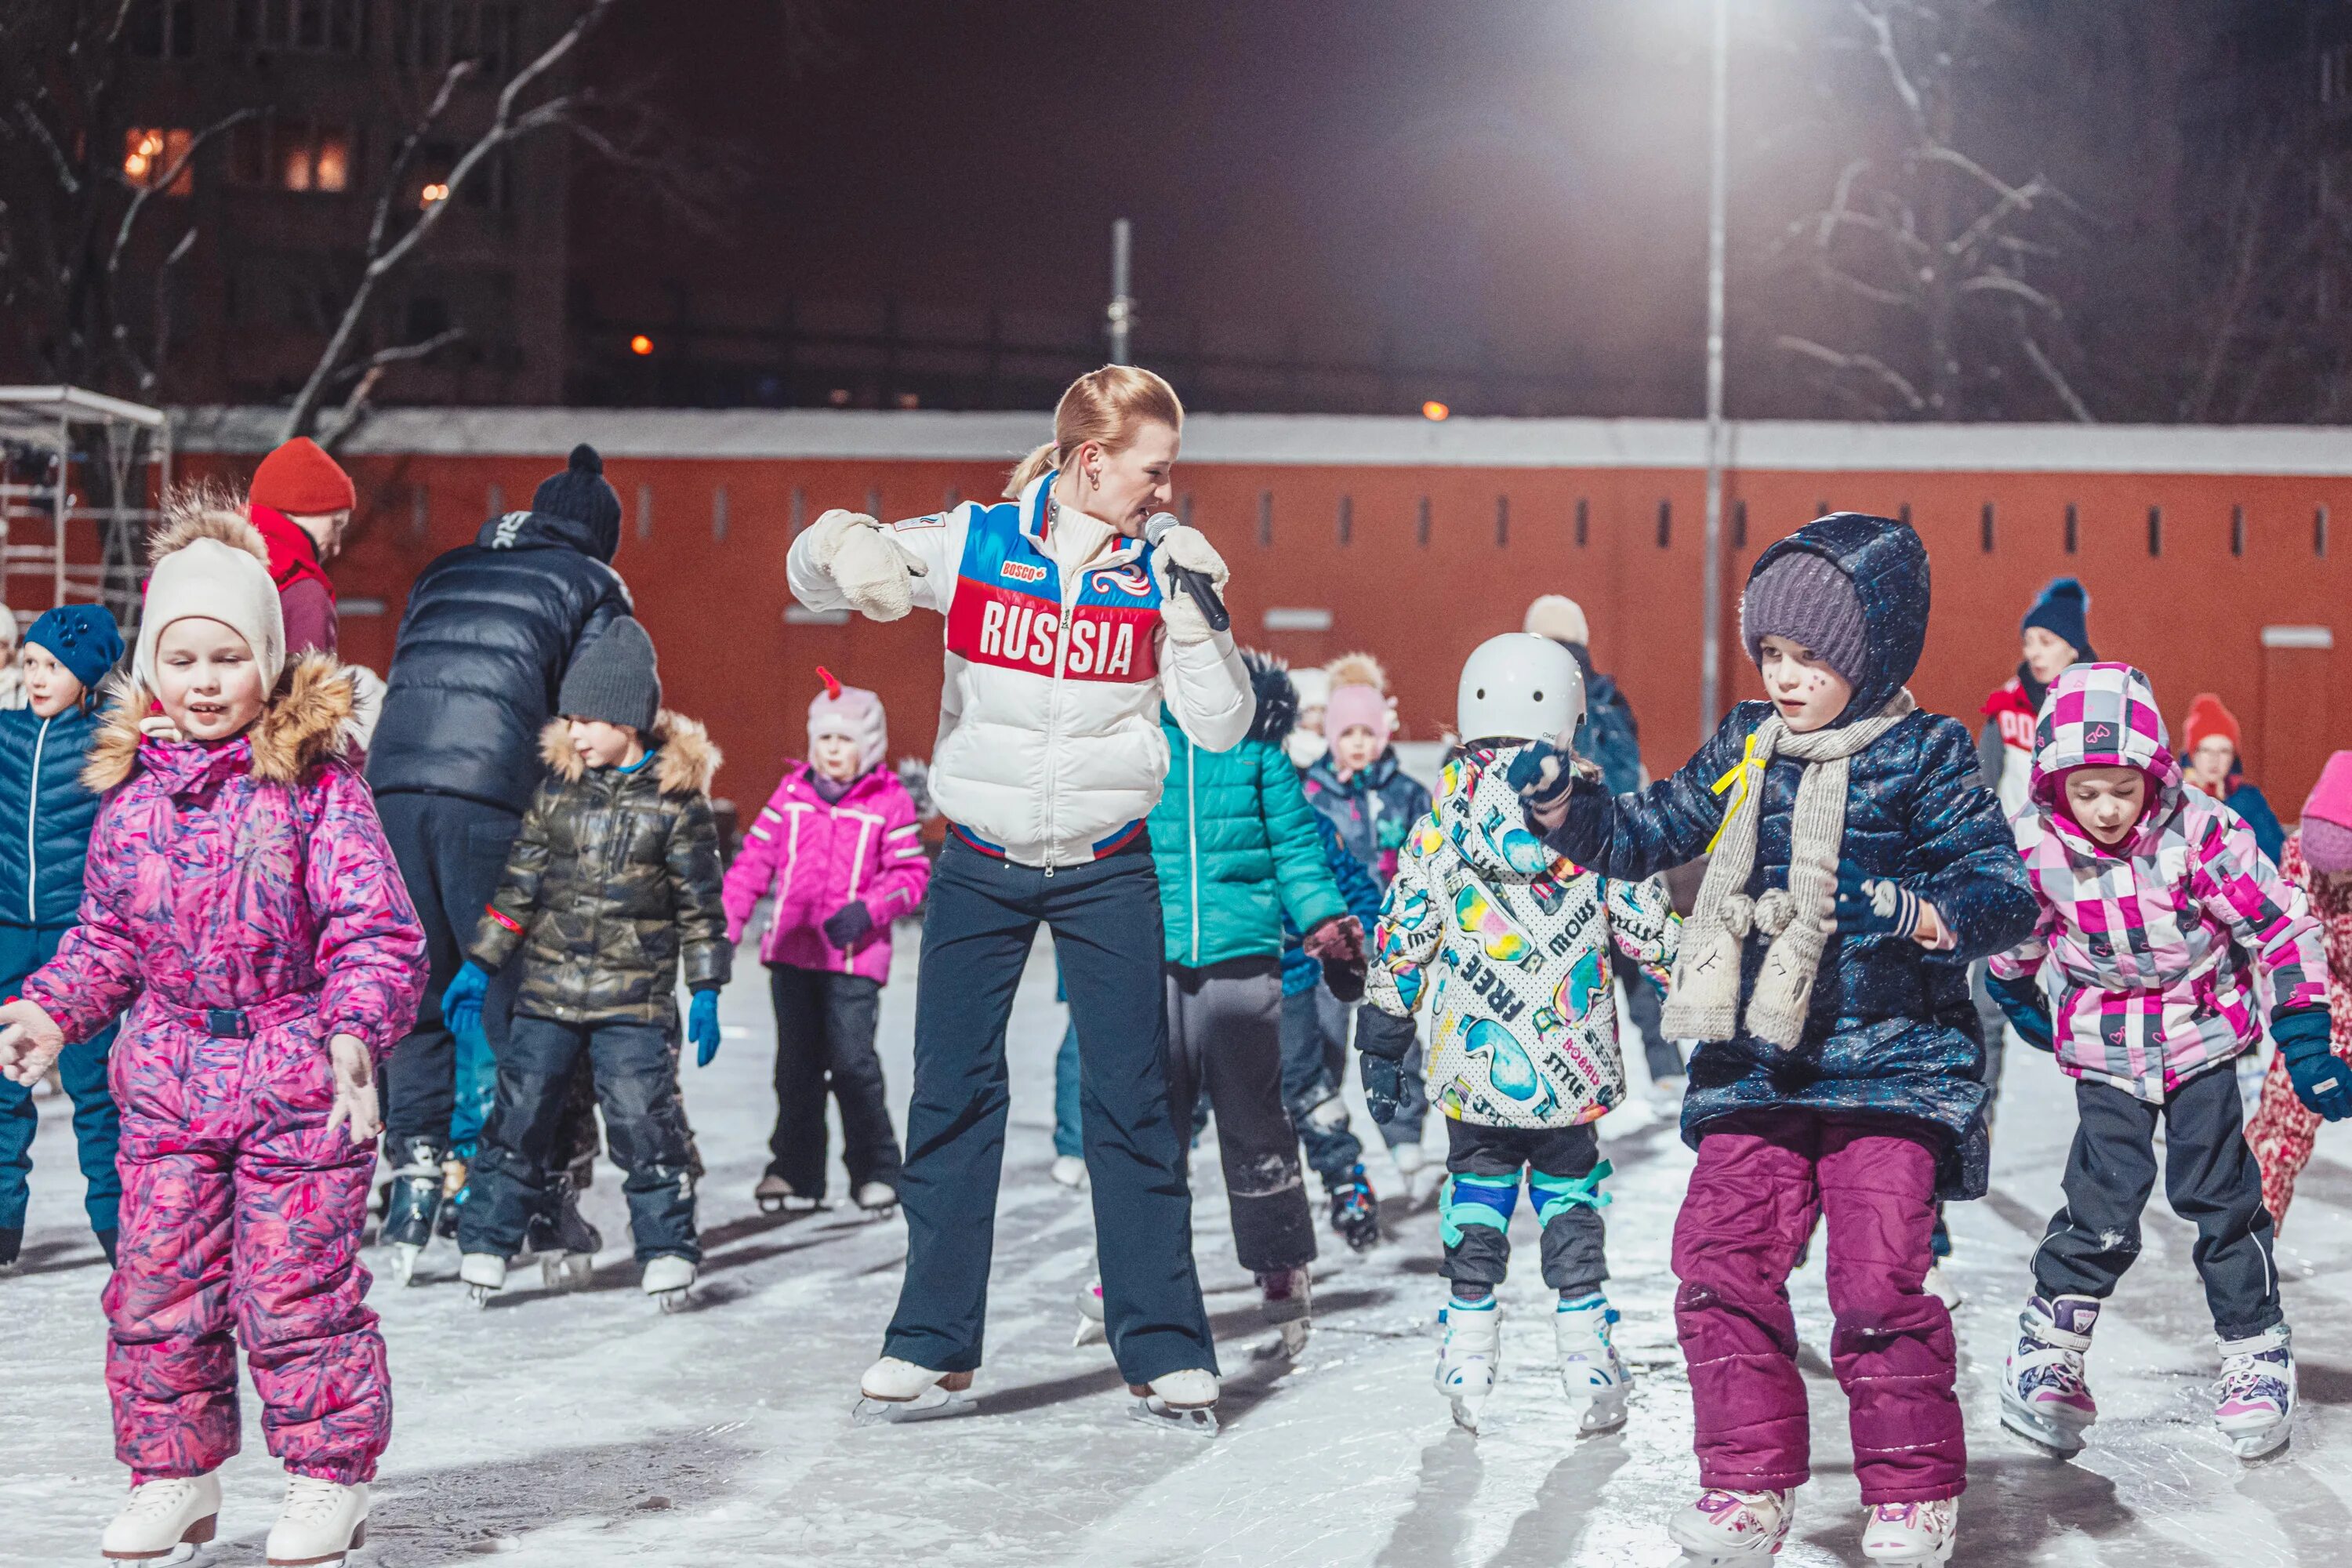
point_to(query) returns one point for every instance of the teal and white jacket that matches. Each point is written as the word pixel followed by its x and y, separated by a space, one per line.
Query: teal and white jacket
pixel 1520 938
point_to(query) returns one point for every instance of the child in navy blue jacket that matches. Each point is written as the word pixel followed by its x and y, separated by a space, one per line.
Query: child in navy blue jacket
pixel 45 817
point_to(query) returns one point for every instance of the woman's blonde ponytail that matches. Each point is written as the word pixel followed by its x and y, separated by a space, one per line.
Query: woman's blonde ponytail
pixel 1105 407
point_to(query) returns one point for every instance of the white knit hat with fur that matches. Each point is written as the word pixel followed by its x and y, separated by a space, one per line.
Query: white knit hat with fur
pixel 212 564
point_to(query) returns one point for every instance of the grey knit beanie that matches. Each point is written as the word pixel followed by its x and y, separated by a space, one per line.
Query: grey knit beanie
pixel 1807 598
pixel 614 678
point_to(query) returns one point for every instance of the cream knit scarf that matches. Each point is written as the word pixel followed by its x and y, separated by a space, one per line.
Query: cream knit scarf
pixel 1703 1003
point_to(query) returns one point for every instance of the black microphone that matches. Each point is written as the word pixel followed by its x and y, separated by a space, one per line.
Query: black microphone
pixel 1197 584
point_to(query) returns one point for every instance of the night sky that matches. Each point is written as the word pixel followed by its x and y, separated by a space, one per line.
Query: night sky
pixel 1527 174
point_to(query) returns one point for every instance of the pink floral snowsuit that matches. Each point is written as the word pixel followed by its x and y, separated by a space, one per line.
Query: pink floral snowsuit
pixel 251 922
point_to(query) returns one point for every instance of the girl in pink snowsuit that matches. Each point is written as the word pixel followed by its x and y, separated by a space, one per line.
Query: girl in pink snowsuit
pixel 841 846
pixel 241 901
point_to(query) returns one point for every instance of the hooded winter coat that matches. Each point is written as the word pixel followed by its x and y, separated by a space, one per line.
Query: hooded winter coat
pixel 1235 841
pixel 820 855
pixel 1373 810
pixel 1525 1005
pixel 614 880
pixel 1890 1028
pixel 46 813
pixel 2155 939
pixel 489 630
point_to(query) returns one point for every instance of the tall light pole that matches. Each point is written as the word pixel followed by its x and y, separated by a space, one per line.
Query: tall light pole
pixel 1710 646
pixel 1121 313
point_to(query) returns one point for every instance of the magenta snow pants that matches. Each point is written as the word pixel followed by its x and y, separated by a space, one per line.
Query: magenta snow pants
pixel 1763 1178
pixel 240 1212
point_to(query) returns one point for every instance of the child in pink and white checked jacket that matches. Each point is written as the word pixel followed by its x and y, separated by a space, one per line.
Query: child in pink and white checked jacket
pixel 840 845
pixel 2157 910
pixel 241 901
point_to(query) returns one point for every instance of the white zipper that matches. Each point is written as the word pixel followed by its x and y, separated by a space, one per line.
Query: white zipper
pixel 1193 839
pixel 32 816
pixel 866 825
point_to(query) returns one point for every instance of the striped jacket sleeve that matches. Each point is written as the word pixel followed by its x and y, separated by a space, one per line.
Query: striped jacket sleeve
pixel 2266 915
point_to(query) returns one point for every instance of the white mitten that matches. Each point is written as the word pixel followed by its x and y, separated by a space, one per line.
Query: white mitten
pixel 1190 549
pixel 30 1042
pixel 873 573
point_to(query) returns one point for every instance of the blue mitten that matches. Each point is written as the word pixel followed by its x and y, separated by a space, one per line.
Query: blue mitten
pixel 1383 1086
pixel 1543 775
pixel 1873 906
pixel 2028 1014
pixel 2322 1080
pixel 461 1004
pixel 702 1027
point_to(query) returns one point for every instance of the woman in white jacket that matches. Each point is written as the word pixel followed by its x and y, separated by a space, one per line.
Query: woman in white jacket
pixel 1065 634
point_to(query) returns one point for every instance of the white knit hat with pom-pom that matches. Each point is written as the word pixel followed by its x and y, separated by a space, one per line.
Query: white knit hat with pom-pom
pixel 212 564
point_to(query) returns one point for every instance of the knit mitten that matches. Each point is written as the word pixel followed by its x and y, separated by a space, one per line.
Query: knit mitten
pixel 873 573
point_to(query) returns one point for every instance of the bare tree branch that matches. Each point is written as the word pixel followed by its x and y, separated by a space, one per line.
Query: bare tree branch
pixel 67 178
pixel 2056 378
pixel 141 190
pixel 1876 368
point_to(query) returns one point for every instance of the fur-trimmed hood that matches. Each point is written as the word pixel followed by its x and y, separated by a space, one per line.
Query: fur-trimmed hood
pixel 312 716
pixel 689 761
pixel 1277 698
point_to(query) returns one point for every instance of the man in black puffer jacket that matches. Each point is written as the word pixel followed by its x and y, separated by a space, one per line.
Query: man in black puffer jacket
pixel 489 630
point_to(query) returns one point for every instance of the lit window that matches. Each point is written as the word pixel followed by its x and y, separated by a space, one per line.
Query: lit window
pixel 292 155
pixel 435 192
pixel 151 153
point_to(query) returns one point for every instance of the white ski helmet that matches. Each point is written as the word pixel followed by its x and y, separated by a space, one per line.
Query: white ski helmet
pixel 1521 687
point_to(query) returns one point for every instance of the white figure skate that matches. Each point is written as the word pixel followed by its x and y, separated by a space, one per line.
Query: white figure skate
pixel 1471 1357
pixel 484 1275
pixel 1186 1399
pixel 1911 1534
pixel 1594 1378
pixel 164 1520
pixel 1723 1528
pixel 894 1391
pixel 667 1279
pixel 321 1523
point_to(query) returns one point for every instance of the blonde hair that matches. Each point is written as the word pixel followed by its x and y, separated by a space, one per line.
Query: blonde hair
pixel 1103 406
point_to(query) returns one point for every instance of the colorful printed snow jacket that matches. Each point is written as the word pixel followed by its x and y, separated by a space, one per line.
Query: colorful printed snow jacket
pixel 1237 852
pixel 249 877
pixel 612 880
pixel 820 855
pixel 1357 889
pixel 1526 1008
pixel 1373 810
pixel 2155 940
pixel 46 813
pixel 1049 748
pixel 1891 1029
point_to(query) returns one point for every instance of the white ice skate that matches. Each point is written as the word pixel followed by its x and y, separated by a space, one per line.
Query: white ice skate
pixel 775 1195
pixel 164 1520
pixel 2045 1394
pixel 1187 1398
pixel 878 1200
pixel 484 1275
pixel 1726 1527
pixel 1471 1358
pixel 896 1391
pixel 1592 1373
pixel 1942 1286
pixel 1911 1534
pixel 1091 1330
pixel 2257 1406
pixel 322 1521
pixel 1070 1171
pixel 1288 1305
pixel 1422 1179
pixel 667 1280
pixel 403 1268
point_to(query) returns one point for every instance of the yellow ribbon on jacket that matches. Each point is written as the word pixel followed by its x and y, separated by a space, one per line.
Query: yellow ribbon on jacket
pixel 1740 781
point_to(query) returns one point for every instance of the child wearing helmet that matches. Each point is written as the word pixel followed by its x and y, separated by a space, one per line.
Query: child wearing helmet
pixel 1523 1055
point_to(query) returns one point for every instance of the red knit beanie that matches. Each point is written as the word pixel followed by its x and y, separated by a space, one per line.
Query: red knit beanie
pixel 301 480
pixel 2207 719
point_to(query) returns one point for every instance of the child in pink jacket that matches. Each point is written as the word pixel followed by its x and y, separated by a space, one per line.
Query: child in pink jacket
pixel 2158 914
pixel 840 844
pixel 240 900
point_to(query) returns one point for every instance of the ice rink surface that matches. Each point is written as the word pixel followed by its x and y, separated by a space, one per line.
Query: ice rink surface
pixel 589 1429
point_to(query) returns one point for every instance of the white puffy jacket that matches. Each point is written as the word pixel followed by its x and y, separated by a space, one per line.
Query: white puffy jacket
pixel 1049 750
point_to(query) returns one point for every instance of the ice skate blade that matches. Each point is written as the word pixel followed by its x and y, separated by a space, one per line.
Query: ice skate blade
pixel 1715 1554
pixel 1600 1415
pixel 325 1559
pixel 404 1262
pixel 1465 1413
pixel 671 1300
pixel 198 1533
pixel 482 1295
pixel 2260 1444
pixel 1090 1333
pixel 1295 1335
pixel 934 1404
pixel 2061 1438
pixel 1199 1420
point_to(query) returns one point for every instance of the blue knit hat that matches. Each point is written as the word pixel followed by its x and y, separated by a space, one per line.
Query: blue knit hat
pixel 84 640
pixel 2060 611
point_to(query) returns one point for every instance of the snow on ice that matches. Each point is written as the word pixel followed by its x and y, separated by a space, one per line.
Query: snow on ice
pixel 589 1429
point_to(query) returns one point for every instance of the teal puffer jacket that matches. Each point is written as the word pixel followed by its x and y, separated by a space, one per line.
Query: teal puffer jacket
pixel 1236 847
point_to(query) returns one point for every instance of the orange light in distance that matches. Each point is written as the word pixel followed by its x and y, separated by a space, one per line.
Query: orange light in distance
pixel 1433 410
pixel 641 345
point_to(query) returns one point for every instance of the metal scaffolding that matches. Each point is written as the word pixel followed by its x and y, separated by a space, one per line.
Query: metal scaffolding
pixel 70 456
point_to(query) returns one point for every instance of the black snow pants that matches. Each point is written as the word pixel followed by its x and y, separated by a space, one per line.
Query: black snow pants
pixel 1224 1038
pixel 2209 1178
pixel 980 919
pixel 824 1040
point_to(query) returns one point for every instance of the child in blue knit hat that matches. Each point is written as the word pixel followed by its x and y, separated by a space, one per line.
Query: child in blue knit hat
pixel 45 817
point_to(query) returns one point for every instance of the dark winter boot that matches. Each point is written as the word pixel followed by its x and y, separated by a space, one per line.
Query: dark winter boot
pixel 563 1240
pixel 411 1205
pixel 12 1241
pixel 1355 1213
